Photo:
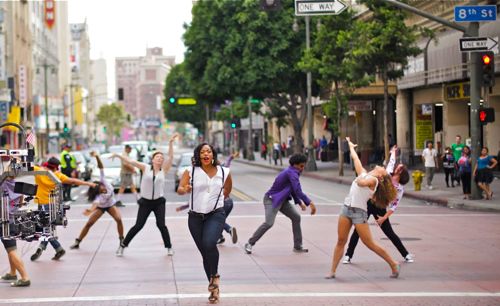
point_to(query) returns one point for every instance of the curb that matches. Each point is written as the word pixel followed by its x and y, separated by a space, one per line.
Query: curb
pixel 339 180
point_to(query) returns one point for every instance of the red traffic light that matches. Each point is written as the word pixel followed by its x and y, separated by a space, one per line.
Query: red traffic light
pixel 486 59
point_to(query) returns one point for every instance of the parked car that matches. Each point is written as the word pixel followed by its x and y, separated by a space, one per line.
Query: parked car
pixel 83 166
pixel 112 168
pixel 183 163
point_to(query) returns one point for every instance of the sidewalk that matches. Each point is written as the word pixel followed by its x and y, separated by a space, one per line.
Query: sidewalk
pixel 440 194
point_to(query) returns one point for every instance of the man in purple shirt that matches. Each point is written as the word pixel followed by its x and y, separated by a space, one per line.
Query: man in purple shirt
pixel 285 186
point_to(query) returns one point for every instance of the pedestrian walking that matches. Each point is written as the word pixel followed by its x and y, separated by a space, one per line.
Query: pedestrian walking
pixel 152 198
pixel 465 171
pixel 16 264
pixel 457 148
pixel 68 168
pixel 449 167
pixel 276 199
pixel 400 177
pixel 103 200
pixel 209 183
pixel 376 185
pixel 429 157
pixel 127 173
pixel 45 187
pixel 483 172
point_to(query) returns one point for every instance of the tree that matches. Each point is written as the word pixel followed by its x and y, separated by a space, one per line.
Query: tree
pixel 113 117
pixel 389 45
pixel 177 85
pixel 333 57
pixel 236 49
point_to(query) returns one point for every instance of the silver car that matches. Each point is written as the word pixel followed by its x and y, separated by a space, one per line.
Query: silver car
pixel 183 163
pixel 112 168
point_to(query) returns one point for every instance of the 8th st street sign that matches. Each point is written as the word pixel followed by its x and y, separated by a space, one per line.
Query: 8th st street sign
pixel 319 7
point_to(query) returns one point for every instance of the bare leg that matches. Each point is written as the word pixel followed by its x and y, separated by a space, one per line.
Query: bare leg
pixel 17 264
pixel 366 236
pixel 483 188
pixel 343 228
pixel 93 219
pixel 115 213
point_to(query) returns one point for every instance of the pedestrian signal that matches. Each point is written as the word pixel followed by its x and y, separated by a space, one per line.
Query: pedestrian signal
pixel 486 115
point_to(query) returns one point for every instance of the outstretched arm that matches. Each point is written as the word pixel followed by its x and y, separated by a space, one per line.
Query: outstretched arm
pixel 130 161
pixel 167 164
pixel 355 159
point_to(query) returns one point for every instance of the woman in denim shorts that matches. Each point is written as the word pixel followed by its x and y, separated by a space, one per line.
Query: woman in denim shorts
pixel 375 185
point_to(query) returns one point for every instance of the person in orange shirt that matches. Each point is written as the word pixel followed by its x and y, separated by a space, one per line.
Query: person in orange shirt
pixel 45 186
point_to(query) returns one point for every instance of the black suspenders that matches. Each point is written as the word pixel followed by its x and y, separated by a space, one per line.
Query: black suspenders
pixel 192 188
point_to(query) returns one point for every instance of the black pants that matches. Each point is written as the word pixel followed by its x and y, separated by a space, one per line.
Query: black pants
pixel 386 228
pixel 67 187
pixel 466 177
pixel 447 173
pixel 145 208
pixel 206 230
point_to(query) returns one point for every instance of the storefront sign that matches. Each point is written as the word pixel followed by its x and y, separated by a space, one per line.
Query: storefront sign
pixel 457 91
pixel 4 111
pixel 360 106
pixel 50 13
pixel 423 129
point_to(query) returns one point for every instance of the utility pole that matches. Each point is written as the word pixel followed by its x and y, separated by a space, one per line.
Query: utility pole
pixel 250 155
pixel 311 160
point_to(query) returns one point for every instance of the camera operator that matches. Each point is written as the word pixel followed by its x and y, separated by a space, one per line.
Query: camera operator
pixel 15 262
pixel 45 186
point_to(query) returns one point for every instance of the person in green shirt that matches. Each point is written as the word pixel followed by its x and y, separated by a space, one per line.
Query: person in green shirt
pixel 456 149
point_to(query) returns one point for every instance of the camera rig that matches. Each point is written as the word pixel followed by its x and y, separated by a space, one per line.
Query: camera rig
pixel 16 221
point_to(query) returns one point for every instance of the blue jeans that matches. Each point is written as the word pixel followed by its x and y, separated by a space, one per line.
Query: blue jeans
pixel 53 240
pixel 206 230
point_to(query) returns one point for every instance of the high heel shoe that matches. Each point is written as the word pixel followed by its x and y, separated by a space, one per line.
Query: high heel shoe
pixel 395 274
pixel 213 288
pixel 214 296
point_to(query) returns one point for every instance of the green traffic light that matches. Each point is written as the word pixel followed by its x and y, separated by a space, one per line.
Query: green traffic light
pixel 171 100
pixel 233 125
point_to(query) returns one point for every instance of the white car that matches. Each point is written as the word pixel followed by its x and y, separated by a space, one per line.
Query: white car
pixel 112 168
pixel 183 163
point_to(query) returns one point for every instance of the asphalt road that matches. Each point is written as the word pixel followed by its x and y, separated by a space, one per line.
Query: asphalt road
pixel 456 251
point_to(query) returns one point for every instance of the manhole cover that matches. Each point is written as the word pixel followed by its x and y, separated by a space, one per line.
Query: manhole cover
pixel 405 238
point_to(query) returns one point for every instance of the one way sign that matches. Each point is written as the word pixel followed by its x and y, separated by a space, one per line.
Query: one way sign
pixel 472 44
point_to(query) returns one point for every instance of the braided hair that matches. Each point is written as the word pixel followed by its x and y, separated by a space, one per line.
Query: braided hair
pixel 197 156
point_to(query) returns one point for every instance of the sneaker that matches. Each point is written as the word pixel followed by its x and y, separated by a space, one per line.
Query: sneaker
pixel 410 258
pixel 347 260
pixel 119 251
pixel 119 204
pixel 37 254
pixel 221 240
pixel 170 252
pixel 59 254
pixel 75 245
pixel 21 283
pixel 234 235
pixel 248 248
pixel 430 187
pixel 300 250
pixel 9 277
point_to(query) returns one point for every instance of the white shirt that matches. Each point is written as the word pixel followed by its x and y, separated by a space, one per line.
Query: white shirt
pixel 429 157
pixel 207 193
pixel 152 187
pixel 358 196
pixel 105 200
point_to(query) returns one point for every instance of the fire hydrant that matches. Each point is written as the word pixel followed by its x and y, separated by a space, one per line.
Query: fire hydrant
pixel 418 177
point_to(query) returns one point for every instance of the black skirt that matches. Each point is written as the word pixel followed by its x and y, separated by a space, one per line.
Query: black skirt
pixel 484 175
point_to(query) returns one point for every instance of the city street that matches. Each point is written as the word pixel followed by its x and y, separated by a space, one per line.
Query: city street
pixel 456 257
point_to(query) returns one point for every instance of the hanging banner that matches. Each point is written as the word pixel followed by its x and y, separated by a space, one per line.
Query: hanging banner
pixel 23 86
pixel 50 13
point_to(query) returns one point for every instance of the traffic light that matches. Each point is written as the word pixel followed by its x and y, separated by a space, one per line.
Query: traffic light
pixel 488 68
pixel 486 115
pixel 172 100
pixel 65 128
pixel 235 123
pixel 120 94
pixel 270 5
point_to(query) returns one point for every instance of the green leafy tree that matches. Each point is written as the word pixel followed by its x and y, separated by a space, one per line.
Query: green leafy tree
pixel 389 45
pixel 333 58
pixel 177 85
pixel 113 117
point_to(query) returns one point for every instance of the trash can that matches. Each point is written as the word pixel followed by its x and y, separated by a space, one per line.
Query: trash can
pixel 418 177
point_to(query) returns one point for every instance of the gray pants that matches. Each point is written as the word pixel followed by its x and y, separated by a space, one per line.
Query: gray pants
pixel 429 173
pixel 288 210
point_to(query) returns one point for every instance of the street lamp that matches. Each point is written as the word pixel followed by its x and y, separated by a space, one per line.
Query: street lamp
pixel 46 67
pixel 311 160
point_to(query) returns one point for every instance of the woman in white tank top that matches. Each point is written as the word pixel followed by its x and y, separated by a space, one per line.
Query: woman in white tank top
pixel 208 184
pixel 152 198
pixel 376 185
